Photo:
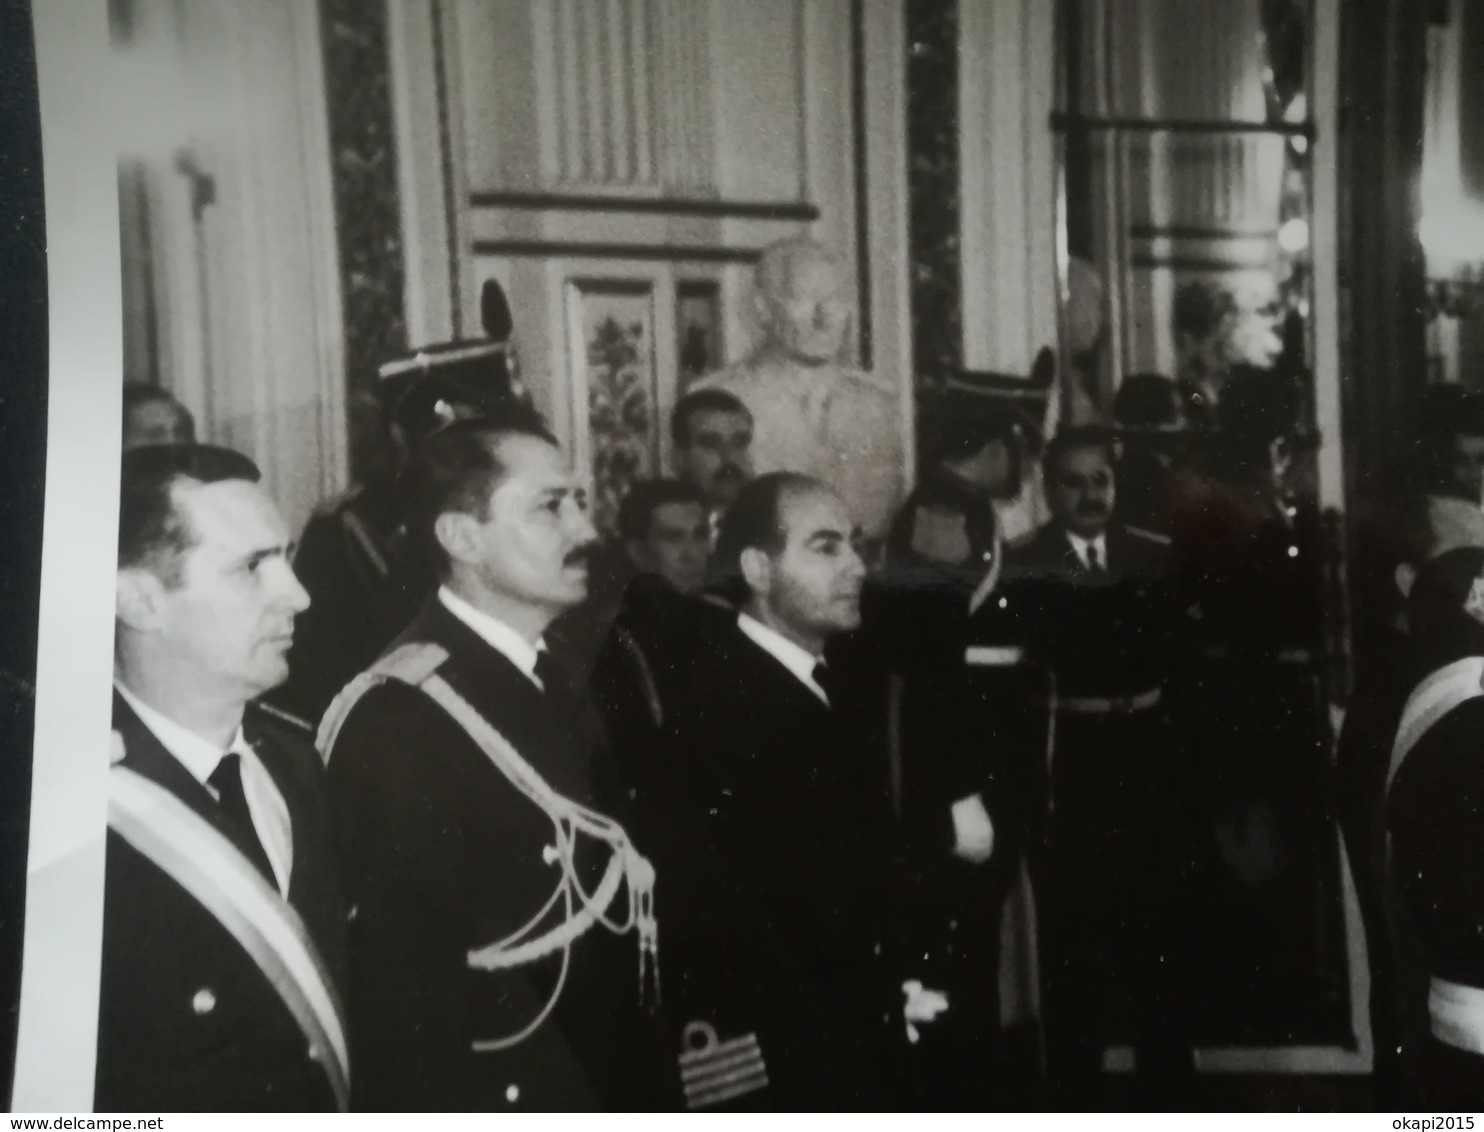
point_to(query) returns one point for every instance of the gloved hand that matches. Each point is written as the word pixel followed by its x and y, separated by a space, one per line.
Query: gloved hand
pixel 973 832
pixel 923 1006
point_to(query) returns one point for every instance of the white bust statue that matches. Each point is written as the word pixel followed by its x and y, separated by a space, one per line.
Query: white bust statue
pixel 811 413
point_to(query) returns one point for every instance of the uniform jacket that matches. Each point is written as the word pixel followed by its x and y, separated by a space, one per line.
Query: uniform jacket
pixel 780 890
pixel 642 669
pixel 187 1022
pixel 443 855
pixel 1103 636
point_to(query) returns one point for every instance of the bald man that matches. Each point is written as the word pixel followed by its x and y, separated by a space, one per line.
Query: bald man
pixel 813 414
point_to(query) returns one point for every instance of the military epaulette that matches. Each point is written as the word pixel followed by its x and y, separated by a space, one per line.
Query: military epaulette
pixel 410 664
pixel 1148 536
pixel 295 723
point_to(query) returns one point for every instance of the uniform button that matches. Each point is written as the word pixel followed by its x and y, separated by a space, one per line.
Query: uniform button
pixel 1293 552
pixel 876 950
pixel 203 1002
pixel 512 1094
pixel 316 1054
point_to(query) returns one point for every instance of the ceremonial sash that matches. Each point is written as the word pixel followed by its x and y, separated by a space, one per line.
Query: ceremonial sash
pixel 1455 1012
pixel 1457 1015
pixel 186 847
pixel 1435 697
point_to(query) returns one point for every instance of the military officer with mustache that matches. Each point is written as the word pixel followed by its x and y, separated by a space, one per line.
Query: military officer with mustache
pixel 1092 599
pixel 502 936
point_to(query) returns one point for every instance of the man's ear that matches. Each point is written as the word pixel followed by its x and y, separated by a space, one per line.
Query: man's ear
pixel 455 532
pixel 138 596
pixel 757 569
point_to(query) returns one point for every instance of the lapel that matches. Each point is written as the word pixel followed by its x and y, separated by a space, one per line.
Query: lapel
pixel 549 733
pixel 147 756
pixel 1060 554
pixel 768 682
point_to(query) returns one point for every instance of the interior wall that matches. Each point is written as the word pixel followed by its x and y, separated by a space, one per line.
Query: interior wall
pixel 233 300
pixel 619 167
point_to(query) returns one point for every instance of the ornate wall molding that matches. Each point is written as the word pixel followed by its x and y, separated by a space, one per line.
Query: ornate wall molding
pixel 367 208
pixel 933 186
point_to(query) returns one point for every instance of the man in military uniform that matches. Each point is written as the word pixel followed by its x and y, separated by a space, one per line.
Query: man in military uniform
pixel 782 910
pixel 502 933
pixel 1095 617
pixel 354 557
pixel 223 931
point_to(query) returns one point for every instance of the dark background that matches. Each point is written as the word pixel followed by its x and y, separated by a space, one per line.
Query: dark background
pixel 23 386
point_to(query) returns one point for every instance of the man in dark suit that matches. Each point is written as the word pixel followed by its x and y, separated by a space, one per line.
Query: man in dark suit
pixel 780 901
pixel 659 628
pixel 495 896
pixel 968 728
pixel 223 932
pixel 1095 617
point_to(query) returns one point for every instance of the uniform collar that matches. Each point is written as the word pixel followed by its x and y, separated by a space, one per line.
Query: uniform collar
pixel 495 633
pixel 797 659
pixel 1080 545
pixel 198 755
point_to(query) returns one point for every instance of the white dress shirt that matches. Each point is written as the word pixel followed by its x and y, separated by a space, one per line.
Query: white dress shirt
pixel 797 659
pixel 270 813
pixel 1080 545
pixel 495 633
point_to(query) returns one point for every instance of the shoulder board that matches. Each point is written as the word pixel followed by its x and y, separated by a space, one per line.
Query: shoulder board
pixel 1152 537
pixel 295 723
pixel 409 664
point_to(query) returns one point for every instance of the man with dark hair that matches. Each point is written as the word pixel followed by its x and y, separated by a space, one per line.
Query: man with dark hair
pixel 711 434
pixel 223 935
pixel 1096 618
pixel 780 905
pixel 496 897
pixel 355 557
pixel 153 416
pixel 666 532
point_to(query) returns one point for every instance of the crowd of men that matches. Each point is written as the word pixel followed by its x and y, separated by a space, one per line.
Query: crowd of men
pixel 719 809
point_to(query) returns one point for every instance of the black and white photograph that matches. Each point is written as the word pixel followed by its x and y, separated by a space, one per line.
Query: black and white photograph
pixel 743 556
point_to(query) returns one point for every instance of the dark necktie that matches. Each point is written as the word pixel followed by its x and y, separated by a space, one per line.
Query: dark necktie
pixel 226 780
pixel 1094 560
pixel 824 676
pixel 548 671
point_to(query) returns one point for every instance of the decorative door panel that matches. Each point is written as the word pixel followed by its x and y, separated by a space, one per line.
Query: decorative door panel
pixel 608 348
